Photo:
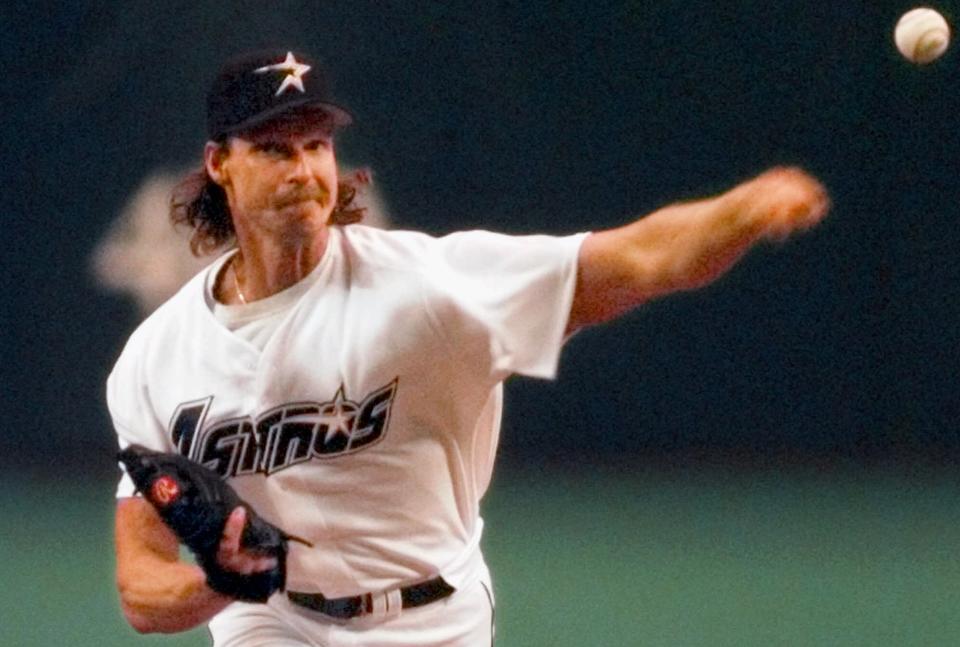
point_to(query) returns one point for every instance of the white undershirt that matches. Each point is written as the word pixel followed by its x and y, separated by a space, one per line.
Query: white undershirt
pixel 257 321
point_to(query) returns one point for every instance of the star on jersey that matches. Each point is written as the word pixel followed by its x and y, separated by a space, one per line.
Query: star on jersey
pixel 339 415
pixel 294 73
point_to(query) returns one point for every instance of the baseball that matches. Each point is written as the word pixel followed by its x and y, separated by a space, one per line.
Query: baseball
pixel 922 35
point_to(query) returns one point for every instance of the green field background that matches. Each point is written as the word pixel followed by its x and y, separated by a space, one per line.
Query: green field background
pixel 683 556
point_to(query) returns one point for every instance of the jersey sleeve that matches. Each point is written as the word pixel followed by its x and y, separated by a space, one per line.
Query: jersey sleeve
pixel 131 411
pixel 515 292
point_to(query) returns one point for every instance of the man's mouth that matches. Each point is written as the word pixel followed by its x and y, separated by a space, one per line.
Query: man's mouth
pixel 318 195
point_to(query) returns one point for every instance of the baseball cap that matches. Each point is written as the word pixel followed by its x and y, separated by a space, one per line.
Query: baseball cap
pixel 255 87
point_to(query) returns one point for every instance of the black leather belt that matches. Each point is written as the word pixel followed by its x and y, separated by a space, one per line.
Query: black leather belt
pixel 415 595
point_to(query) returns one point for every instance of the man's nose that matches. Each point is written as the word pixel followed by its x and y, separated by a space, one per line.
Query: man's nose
pixel 300 167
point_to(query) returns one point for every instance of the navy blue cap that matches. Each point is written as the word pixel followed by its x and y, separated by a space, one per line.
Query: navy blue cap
pixel 254 88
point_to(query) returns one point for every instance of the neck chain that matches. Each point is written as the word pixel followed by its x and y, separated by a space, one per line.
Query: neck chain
pixel 236 282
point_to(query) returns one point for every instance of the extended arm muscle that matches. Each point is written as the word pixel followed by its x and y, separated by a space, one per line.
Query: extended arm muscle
pixel 685 246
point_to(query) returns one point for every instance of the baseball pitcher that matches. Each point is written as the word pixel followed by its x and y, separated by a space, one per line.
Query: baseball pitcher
pixel 315 415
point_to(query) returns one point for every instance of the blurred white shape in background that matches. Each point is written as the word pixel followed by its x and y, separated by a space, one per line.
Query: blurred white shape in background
pixel 144 255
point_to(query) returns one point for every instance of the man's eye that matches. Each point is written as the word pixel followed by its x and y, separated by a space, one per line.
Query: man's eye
pixel 316 144
pixel 274 150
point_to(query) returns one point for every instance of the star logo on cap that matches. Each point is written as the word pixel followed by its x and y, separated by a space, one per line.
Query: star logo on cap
pixel 294 73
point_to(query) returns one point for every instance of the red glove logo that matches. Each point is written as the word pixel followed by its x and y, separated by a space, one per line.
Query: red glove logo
pixel 164 491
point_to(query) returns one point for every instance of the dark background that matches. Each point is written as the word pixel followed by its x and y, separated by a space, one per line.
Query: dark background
pixel 522 117
pixel 768 461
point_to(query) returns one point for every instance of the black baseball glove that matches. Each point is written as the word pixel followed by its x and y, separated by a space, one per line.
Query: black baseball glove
pixel 195 503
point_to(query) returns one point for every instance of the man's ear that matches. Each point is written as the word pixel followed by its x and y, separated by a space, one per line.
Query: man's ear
pixel 213 156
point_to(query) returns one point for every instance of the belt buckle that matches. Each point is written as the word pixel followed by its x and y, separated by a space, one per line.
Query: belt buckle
pixel 385 604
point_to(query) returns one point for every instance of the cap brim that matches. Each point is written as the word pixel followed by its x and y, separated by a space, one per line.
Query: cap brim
pixel 339 115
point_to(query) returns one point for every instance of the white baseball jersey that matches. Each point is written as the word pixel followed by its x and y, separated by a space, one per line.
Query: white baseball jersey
pixel 368 422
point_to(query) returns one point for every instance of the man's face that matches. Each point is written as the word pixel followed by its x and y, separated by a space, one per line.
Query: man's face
pixel 281 172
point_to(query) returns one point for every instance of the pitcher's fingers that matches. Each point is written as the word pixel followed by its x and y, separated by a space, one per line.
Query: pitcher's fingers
pixel 257 564
pixel 233 530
